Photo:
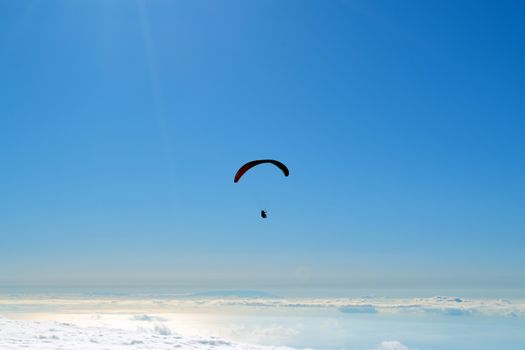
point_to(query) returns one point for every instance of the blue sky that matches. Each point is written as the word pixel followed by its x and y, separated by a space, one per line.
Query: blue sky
pixel 122 124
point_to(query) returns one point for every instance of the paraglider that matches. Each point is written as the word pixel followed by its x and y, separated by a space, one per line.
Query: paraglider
pixel 242 170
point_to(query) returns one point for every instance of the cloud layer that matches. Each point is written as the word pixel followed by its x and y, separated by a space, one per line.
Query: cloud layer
pixel 444 305
pixel 15 335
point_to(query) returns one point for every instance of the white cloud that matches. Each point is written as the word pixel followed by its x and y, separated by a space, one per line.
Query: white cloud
pixel 17 335
pixel 147 318
pixel 392 345
pixel 162 329
pixel 358 309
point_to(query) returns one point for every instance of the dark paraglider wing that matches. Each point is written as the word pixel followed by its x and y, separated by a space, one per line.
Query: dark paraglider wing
pixel 253 163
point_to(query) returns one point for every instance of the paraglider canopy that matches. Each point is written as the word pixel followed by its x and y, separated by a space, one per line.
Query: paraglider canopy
pixel 242 170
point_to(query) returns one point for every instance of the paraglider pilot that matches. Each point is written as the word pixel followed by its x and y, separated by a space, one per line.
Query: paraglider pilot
pixel 256 162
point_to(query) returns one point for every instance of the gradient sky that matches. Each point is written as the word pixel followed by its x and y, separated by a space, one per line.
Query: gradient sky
pixel 122 124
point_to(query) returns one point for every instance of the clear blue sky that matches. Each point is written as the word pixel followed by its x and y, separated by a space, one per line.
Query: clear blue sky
pixel 122 124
